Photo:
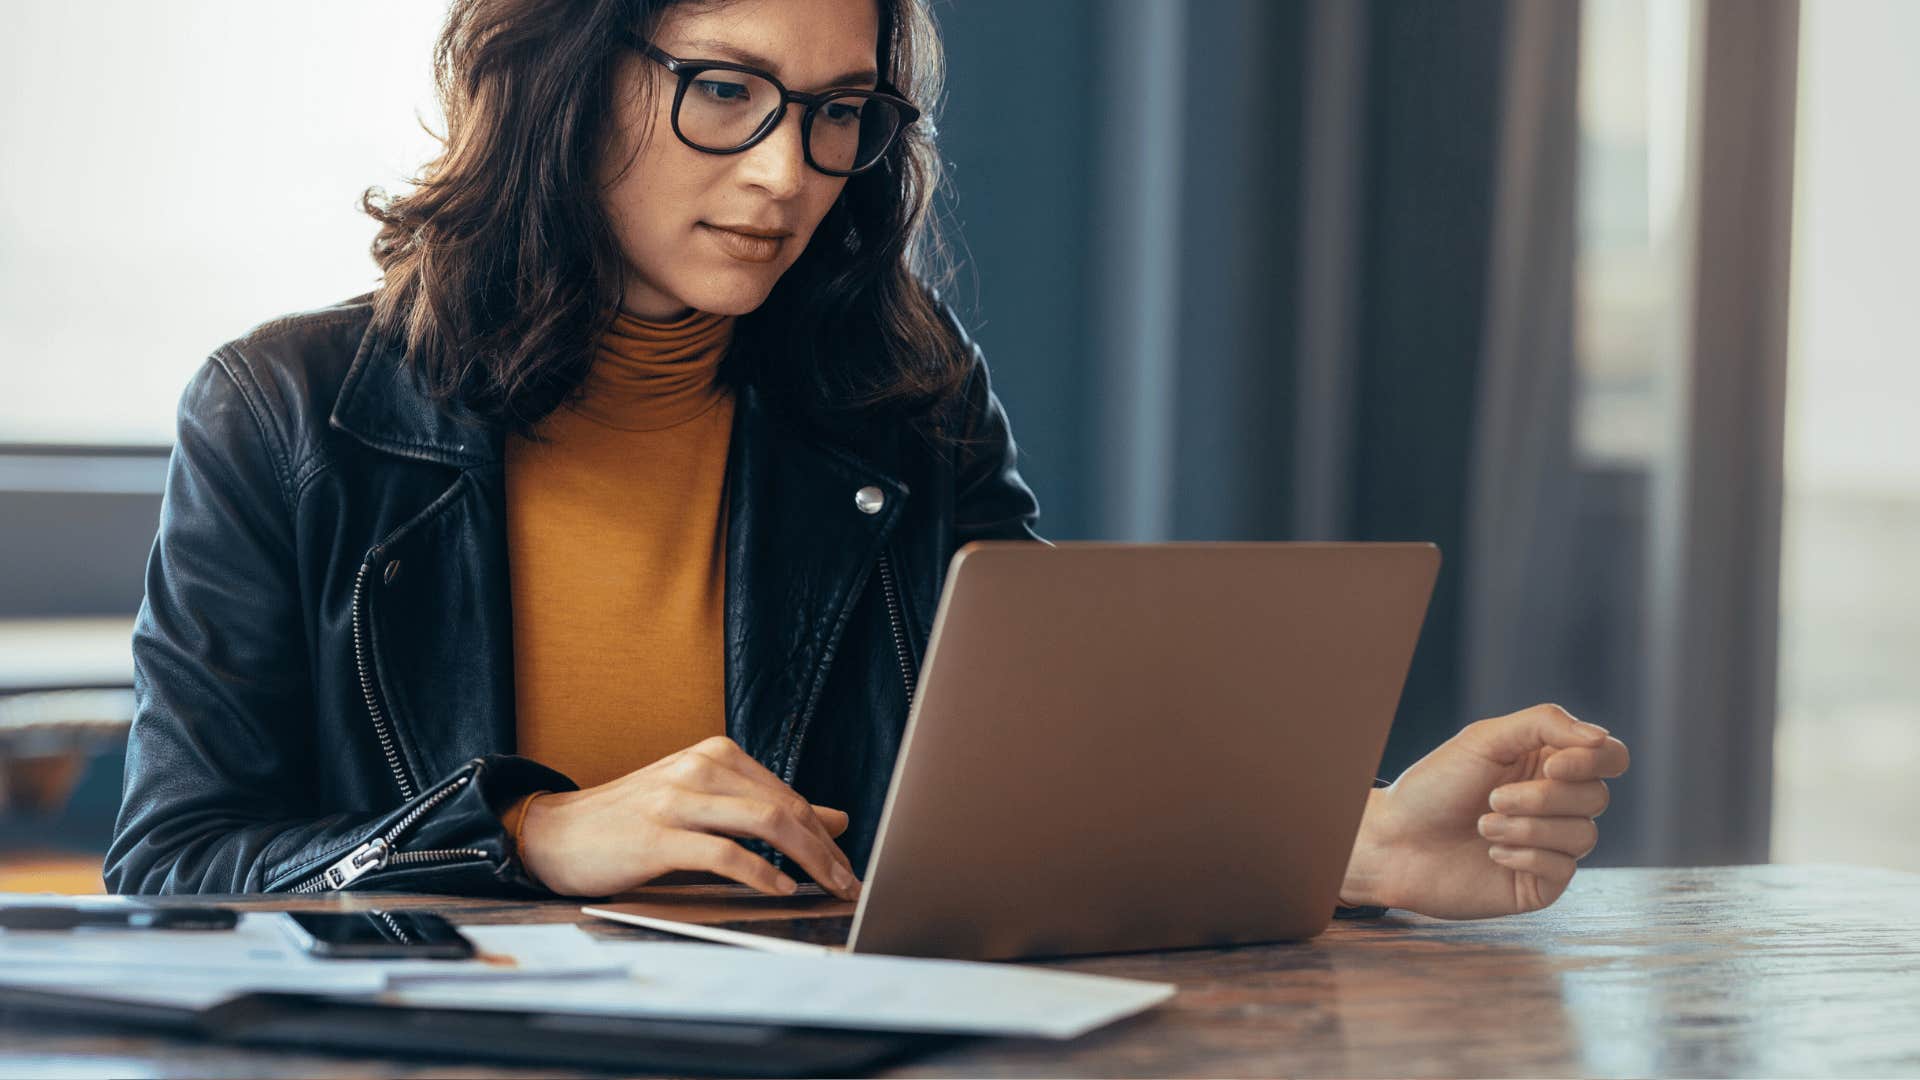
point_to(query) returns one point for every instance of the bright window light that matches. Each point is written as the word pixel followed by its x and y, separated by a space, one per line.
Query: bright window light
pixel 174 173
pixel 1848 739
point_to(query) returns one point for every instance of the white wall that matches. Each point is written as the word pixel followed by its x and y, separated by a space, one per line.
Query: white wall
pixel 172 173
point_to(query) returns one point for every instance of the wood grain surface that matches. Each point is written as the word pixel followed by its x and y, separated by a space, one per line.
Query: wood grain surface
pixel 1729 971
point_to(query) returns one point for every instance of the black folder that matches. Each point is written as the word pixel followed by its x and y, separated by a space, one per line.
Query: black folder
pixel 359 1025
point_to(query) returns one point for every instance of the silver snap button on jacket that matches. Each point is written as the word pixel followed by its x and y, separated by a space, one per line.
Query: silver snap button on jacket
pixel 869 499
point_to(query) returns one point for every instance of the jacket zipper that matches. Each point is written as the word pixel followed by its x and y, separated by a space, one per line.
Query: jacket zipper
pixel 368 688
pixel 897 618
pixel 378 852
pixel 897 621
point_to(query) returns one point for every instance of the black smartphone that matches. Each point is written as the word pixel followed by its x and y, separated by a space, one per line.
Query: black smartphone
pixel 377 935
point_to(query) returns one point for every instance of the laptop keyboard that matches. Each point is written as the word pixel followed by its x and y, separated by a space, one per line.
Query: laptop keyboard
pixel 819 930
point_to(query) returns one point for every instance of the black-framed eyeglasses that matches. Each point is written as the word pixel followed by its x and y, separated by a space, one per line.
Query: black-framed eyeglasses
pixel 725 108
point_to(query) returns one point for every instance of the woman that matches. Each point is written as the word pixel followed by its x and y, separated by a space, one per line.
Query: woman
pixel 608 530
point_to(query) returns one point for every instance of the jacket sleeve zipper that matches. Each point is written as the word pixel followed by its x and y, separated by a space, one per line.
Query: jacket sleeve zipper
pixel 378 852
pixel 369 689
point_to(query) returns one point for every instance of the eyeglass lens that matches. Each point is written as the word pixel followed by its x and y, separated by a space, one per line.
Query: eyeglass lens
pixel 723 110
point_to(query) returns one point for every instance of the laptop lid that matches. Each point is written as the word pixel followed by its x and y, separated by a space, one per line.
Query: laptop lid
pixel 1117 747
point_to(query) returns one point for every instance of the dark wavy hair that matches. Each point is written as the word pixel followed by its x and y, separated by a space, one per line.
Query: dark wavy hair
pixel 500 267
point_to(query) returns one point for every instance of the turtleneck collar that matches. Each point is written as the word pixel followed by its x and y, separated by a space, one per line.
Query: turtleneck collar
pixel 650 375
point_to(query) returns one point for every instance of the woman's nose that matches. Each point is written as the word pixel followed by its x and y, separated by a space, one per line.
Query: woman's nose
pixel 778 162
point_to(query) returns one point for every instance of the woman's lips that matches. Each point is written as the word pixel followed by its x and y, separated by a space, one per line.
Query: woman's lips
pixel 754 249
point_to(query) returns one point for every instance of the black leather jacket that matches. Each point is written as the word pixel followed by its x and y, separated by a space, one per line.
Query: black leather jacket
pixel 324 660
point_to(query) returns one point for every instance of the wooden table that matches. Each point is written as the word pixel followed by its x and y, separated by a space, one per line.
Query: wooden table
pixel 1734 971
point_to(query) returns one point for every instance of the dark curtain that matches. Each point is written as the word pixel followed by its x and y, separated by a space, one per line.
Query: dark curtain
pixel 1262 270
pixel 1049 198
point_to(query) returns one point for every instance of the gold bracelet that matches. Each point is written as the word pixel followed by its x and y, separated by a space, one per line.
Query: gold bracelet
pixel 518 816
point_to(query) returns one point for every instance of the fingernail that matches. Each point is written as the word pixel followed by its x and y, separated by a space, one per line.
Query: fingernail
pixel 1589 730
pixel 785 884
pixel 842 879
pixel 1500 851
pixel 1492 826
pixel 1501 801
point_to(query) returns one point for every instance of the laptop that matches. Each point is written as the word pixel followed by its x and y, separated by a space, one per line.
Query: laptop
pixel 1117 747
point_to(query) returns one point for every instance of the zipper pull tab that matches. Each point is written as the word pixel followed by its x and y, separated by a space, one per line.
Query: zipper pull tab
pixel 358 863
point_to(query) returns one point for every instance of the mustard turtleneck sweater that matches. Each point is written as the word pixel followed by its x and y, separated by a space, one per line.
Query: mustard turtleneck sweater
pixel 616 534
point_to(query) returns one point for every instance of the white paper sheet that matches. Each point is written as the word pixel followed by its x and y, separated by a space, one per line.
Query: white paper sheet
pixel 186 989
pixel 199 967
pixel 718 982
pixel 561 967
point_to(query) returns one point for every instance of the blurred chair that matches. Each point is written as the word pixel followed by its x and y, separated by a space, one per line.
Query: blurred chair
pixel 66 702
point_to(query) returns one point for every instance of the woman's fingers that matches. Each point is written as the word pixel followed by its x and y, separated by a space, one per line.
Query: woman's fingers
pixel 712 774
pixel 1602 762
pixel 1550 798
pixel 718 855
pixel 725 751
pixel 1574 836
pixel 834 821
pixel 1512 737
pixel 706 764
pixel 1553 868
pixel 796 833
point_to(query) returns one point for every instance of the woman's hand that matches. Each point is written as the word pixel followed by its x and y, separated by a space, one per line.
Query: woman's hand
pixel 679 813
pixel 1429 843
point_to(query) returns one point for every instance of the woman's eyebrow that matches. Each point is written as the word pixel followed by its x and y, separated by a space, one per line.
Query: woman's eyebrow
pixel 753 59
